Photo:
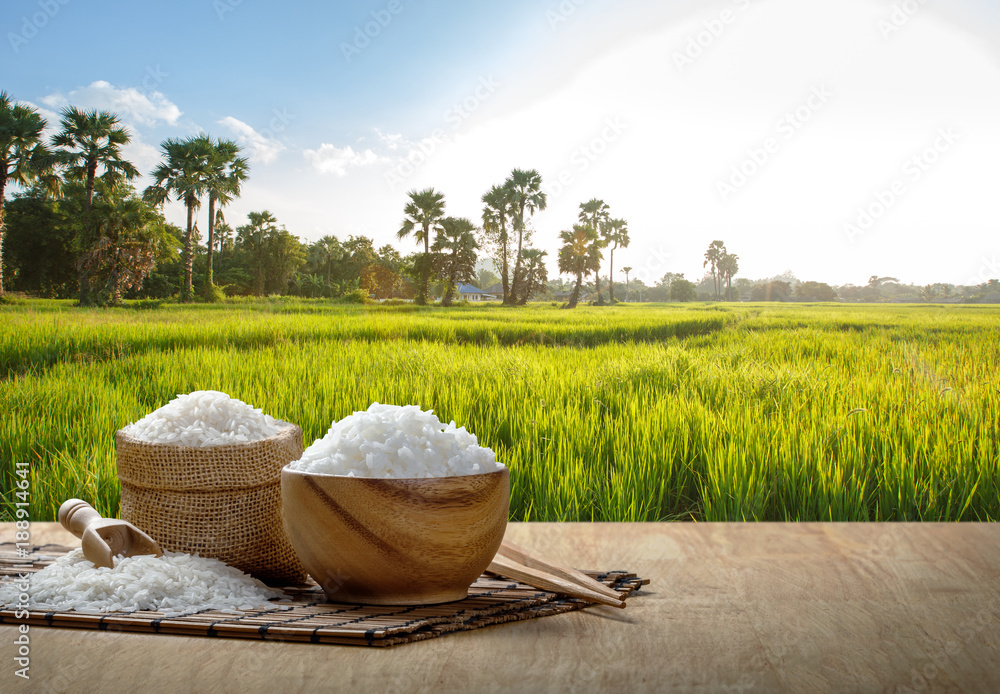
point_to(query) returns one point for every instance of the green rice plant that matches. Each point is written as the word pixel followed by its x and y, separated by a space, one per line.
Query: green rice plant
pixel 631 413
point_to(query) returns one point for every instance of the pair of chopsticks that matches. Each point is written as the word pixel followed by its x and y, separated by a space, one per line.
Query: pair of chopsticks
pixel 521 565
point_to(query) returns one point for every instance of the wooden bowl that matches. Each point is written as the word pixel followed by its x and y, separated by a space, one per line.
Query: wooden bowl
pixel 395 541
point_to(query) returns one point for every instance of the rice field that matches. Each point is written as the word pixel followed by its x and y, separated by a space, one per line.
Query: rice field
pixel 634 413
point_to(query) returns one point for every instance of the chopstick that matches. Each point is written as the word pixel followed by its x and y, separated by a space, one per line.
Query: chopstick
pixel 546 581
pixel 530 559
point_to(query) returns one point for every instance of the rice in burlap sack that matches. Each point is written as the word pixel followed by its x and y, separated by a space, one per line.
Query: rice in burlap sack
pixel 222 502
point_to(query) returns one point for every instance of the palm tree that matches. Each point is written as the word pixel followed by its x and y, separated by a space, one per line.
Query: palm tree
pixel 728 265
pixel 129 234
pixel 618 235
pixel 580 255
pixel 626 270
pixel 324 253
pixel 23 156
pixel 524 190
pixel 254 237
pixel 92 139
pixel 496 214
pixel 226 173
pixel 536 276
pixel 595 213
pixel 457 246
pixel 423 215
pixel 89 140
pixel 223 233
pixel 715 251
pixel 184 173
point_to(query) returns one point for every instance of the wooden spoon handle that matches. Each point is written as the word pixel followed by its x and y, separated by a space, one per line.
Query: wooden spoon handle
pixel 539 579
pixel 76 515
pixel 530 559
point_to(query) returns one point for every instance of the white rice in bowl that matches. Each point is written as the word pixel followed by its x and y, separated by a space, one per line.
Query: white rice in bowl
pixel 392 441
pixel 205 418
pixel 173 584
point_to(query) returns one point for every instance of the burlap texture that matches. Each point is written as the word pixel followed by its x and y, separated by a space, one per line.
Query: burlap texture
pixel 219 501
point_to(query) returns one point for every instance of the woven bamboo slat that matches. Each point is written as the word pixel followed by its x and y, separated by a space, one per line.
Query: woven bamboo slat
pixel 306 615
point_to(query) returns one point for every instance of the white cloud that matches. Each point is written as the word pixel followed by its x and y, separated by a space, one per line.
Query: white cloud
pixel 336 160
pixel 390 141
pixel 144 155
pixel 146 108
pixel 262 148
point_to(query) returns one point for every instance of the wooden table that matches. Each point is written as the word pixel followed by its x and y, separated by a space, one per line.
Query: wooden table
pixel 731 608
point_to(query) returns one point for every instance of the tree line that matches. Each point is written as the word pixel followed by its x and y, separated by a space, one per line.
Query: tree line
pixel 79 228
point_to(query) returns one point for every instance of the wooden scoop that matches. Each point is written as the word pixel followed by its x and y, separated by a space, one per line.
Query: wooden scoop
pixel 104 538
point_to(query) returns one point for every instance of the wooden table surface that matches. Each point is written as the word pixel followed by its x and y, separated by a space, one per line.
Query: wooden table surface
pixel 731 608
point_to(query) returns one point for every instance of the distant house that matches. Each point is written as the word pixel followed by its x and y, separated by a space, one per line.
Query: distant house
pixel 467 292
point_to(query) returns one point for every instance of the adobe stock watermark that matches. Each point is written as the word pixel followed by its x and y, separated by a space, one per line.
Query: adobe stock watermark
pixel 278 123
pixel 22 544
pixel 901 13
pixel 882 200
pixel 35 22
pixel 152 79
pixel 584 156
pixel 563 11
pixel 714 28
pixel 224 7
pixel 758 156
pixel 656 265
pixel 454 116
pixel 989 269
pixel 365 33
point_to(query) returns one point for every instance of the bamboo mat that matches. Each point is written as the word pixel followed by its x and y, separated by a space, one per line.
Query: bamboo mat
pixel 307 616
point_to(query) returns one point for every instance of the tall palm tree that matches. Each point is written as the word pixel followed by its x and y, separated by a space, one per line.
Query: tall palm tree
pixel 423 215
pixel 524 190
pixel 595 213
pixel 89 140
pixel 617 235
pixel 579 256
pixel 23 156
pixel 457 246
pixel 226 173
pixel 728 265
pixel 254 237
pixel 325 253
pixel 715 251
pixel 626 270
pixel 224 233
pixel 496 215
pixel 536 276
pixel 184 174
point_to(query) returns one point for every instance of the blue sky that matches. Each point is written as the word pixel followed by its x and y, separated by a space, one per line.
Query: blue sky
pixel 889 166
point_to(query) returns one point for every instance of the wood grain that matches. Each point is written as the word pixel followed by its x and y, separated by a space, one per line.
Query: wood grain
pixel 732 607
pixel 366 540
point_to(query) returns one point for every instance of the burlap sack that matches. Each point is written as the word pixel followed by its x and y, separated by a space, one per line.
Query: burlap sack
pixel 219 501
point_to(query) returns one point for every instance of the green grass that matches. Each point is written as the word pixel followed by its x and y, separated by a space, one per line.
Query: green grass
pixel 632 413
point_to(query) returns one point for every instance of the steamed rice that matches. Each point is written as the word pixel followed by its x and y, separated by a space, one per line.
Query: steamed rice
pixel 205 418
pixel 174 584
pixel 392 441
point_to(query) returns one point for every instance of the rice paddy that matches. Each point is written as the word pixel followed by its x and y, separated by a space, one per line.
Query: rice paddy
pixel 719 412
